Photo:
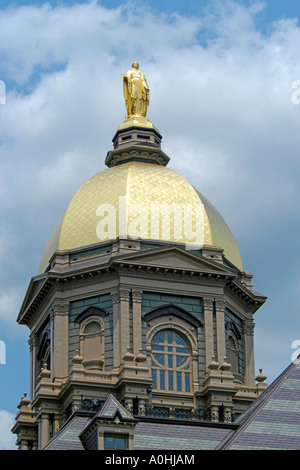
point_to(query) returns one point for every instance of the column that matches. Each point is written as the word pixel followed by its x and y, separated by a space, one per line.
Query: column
pixel 248 330
pixel 141 407
pixel 208 329
pixel 56 423
pixel 60 334
pixel 129 404
pixel 214 413
pixel 220 326
pixel 33 343
pixel 227 414
pixel 45 430
pixel 23 444
pixel 100 439
pixel 137 321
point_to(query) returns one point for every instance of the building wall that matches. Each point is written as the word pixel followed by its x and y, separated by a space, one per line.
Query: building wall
pixel 76 307
pixel 193 305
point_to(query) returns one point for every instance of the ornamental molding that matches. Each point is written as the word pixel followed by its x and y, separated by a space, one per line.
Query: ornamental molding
pixel 172 310
pixel 171 275
pixel 220 305
pixel 193 263
pixel 119 156
pixel 208 303
pixel 181 325
pixel 137 296
pixel 92 312
pixel 33 340
pixel 124 295
pixel 62 282
pixel 248 327
pixel 115 297
pixel 86 279
pixel 60 308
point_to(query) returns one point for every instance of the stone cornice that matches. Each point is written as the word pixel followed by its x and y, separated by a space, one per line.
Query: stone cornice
pixel 249 297
pixel 206 275
pixel 136 153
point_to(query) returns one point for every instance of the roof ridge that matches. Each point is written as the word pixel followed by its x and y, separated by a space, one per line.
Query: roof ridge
pixel 118 409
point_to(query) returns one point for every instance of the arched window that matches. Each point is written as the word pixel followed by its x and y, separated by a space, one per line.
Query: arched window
pixel 44 351
pixel 91 336
pixel 91 343
pixel 171 361
pixel 233 352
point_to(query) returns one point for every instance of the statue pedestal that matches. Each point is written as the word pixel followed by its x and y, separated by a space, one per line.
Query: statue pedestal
pixel 137 121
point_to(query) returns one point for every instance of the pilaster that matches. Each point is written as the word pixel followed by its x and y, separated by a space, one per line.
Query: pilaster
pixel 44 427
pixel 121 324
pixel 208 329
pixel 220 327
pixel 60 331
pixel 33 343
pixel 248 333
pixel 124 320
pixel 116 328
pixel 137 321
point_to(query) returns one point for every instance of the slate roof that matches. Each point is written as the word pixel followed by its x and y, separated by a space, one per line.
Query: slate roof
pixel 112 407
pixel 157 436
pixel 272 422
pixel 67 438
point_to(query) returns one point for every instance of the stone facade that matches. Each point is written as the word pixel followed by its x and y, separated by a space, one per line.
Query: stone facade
pixel 151 326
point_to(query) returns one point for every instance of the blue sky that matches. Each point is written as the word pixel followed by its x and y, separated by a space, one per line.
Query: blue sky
pixel 221 76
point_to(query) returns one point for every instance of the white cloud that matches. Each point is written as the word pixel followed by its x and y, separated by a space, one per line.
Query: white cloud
pixel 7 439
pixel 228 101
pixel 221 94
pixel 10 302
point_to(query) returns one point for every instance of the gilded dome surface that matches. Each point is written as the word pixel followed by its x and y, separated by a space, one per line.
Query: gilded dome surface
pixel 126 188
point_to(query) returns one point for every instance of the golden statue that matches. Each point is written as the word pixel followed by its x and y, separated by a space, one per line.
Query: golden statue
pixel 136 91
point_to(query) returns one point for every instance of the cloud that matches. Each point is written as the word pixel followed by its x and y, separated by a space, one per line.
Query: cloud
pixel 10 302
pixel 229 96
pixel 221 92
pixel 7 439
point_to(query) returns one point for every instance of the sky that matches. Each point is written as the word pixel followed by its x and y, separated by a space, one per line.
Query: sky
pixel 224 81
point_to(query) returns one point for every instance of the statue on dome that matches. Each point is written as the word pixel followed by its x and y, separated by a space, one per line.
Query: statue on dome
pixel 136 91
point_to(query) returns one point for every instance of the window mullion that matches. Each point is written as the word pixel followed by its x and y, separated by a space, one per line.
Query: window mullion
pixel 168 375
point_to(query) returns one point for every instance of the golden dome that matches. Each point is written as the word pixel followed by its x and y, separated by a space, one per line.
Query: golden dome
pixel 125 188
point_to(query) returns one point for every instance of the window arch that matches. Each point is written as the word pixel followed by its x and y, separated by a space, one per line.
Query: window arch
pixel 171 361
